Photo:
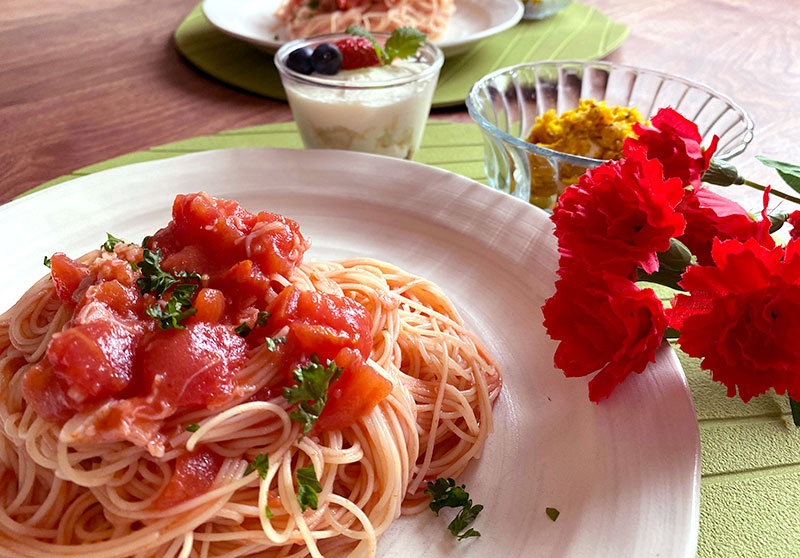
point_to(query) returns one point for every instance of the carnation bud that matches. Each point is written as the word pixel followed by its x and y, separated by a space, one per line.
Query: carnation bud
pixel 722 173
pixel 777 220
pixel 671 265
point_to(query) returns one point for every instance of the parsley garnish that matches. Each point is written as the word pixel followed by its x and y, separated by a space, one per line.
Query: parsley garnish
pixel 46 261
pixel 445 494
pixel 313 4
pixel 552 513
pixel 268 513
pixel 403 42
pixel 307 487
pixel 156 280
pixel 312 390
pixel 112 241
pixel 260 465
pixel 194 427
pixel 244 329
pixel 272 342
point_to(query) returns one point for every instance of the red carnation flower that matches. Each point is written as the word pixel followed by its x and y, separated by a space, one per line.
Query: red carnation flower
pixel 603 322
pixel 794 221
pixel 709 215
pixel 675 141
pixel 742 316
pixel 619 216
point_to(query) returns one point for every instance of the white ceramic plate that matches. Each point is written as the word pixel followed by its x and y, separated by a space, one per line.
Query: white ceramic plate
pixel 624 474
pixel 254 21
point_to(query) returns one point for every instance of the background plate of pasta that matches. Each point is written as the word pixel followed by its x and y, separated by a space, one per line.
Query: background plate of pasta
pixel 274 352
pixel 454 25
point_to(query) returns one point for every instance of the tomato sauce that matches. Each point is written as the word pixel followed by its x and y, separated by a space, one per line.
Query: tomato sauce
pixel 115 363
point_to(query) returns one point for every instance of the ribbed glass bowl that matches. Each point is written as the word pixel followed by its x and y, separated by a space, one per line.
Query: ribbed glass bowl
pixel 505 105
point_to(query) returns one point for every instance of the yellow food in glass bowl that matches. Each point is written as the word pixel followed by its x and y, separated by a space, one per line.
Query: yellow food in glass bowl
pixel 592 130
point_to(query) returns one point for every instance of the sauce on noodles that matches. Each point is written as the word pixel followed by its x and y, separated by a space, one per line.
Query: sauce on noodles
pixel 121 439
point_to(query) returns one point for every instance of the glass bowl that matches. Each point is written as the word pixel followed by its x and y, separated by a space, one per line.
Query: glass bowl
pixel 505 105
pixel 543 8
pixel 379 110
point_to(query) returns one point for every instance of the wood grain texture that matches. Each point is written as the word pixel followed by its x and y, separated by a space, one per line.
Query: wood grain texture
pixel 83 81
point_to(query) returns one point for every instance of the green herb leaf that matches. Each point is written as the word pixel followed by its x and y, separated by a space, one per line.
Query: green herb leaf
pixel 445 494
pixel 260 465
pixel 194 427
pixel 243 329
pixel 359 31
pixel 552 513
pixel 463 520
pixel 145 240
pixel 272 342
pixel 171 315
pixel 261 318
pixel 313 4
pixel 312 391
pixel 46 261
pixel 788 171
pixel 307 487
pixel 403 43
pixel 154 279
pixel 268 513
pixel 112 241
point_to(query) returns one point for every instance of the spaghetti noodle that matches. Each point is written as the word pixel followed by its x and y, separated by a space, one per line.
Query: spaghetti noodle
pixel 304 18
pixel 71 489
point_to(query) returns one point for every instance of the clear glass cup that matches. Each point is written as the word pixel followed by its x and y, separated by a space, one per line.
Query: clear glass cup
pixel 379 110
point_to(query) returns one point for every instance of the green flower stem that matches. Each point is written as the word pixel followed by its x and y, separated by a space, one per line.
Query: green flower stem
pixel 795 405
pixel 772 192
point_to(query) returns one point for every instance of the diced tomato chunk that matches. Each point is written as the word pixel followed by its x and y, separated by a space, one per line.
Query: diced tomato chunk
pixel 123 300
pixel 193 475
pixel 244 281
pixel 95 359
pixel 193 367
pixel 44 392
pixel 354 394
pixel 210 304
pixel 67 276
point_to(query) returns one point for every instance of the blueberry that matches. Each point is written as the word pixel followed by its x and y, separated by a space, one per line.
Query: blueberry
pixel 299 60
pixel 326 59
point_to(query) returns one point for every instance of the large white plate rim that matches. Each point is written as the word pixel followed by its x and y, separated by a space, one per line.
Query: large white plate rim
pixel 257 25
pixel 626 481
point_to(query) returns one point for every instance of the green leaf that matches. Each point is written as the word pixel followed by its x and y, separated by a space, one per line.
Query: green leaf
pixel 272 342
pixel 311 391
pixel 154 279
pixel 465 517
pixel 268 513
pixel 307 487
pixel 260 465
pixel 170 316
pixel 359 31
pixel 194 427
pixel 467 534
pixel 403 43
pixel 445 494
pixel 552 513
pixel 112 241
pixel 788 171
pixel 243 329
pixel 261 318
pixel 46 262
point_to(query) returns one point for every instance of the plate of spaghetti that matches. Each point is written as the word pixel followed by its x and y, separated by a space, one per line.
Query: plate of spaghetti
pixel 305 354
pixel 454 25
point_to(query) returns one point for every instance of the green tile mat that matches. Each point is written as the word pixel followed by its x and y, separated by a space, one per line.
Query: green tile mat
pixel 750 493
pixel 578 32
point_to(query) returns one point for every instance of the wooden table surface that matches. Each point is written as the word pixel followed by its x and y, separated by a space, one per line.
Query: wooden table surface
pixel 82 81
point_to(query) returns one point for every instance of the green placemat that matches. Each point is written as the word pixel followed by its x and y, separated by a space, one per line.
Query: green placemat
pixel 751 452
pixel 578 32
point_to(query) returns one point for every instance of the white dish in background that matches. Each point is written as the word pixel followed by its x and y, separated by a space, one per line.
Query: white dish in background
pixel 625 474
pixel 254 21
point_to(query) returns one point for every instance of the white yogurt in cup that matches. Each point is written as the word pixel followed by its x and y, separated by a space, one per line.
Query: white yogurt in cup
pixel 379 109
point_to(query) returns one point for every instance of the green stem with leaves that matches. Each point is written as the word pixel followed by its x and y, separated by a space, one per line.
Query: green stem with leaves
pixel 772 192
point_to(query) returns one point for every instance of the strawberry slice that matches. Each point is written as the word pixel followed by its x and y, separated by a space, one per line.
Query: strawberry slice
pixel 357 52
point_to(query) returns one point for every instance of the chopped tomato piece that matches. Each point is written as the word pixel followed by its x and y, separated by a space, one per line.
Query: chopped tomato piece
pixel 210 304
pixel 193 475
pixel 245 282
pixel 275 244
pixel 193 367
pixel 67 276
pixel 95 359
pixel 44 392
pixel 354 394
pixel 123 300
